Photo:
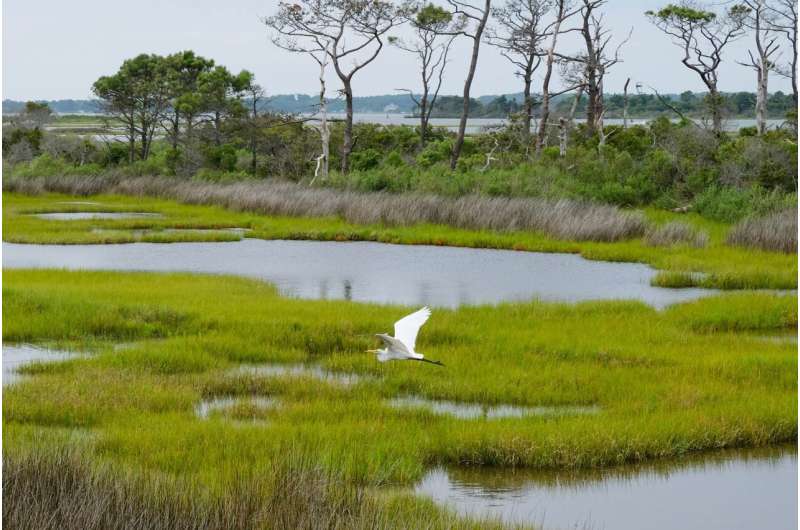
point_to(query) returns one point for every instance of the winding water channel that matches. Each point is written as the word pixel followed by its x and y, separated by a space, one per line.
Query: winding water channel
pixel 374 272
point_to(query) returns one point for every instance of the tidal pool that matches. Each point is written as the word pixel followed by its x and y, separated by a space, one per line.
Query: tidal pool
pixel 80 216
pixel 204 409
pixel 299 370
pixel 469 411
pixel 374 272
pixel 723 491
pixel 17 355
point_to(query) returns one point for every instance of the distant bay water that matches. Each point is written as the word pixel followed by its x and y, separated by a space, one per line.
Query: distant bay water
pixel 478 125
pixel 474 125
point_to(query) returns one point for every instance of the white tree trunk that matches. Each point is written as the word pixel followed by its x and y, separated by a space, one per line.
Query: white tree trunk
pixel 761 96
pixel 323 160
pixel 541 137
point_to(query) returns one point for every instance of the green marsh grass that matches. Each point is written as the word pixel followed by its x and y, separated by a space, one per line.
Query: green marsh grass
pixel 696 377
pixel 721 265
pixel 666 383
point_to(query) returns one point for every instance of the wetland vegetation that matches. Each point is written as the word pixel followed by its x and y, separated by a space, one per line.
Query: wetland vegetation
pixel 326 215
pixel 118 426
pixel 644 385
pixel 194 399
pixel 695 377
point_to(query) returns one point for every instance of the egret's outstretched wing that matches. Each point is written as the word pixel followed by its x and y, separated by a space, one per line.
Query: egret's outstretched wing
pixel 393 345
pixel 406 328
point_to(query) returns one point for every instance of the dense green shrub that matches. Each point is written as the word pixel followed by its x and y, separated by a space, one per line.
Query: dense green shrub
pixel 365 159
pixel 15 135
pixel 665 164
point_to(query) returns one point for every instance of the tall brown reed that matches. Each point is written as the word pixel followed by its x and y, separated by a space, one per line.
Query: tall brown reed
pixel 563 219
pixel 776 232
pixel 63 490
pixel 675 233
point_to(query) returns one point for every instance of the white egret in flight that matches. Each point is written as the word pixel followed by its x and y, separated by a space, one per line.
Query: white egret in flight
pixel 401 346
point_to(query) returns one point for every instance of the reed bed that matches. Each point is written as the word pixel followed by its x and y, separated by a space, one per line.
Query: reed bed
pixel 775 232
pixel 675 233
pixel 62 490
pixel 562 219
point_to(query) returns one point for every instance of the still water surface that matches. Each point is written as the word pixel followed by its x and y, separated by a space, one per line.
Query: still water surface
pixel 472 411
pixel 82 216
pixel 17 355
pixel 727 491
pixel 374 272
pixel 478 125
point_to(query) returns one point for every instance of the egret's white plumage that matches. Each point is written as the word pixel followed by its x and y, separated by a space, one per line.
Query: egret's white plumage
pixel 402 346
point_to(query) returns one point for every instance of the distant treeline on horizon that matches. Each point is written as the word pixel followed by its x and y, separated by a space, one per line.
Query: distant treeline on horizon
pixel 738 104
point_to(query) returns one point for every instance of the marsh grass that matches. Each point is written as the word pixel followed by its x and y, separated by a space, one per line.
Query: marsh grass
pixel 775 232
pixel 563 219
pixel 664 384
pixel 675 233
pixel 721 265
pixel 639 366
pixel 62 490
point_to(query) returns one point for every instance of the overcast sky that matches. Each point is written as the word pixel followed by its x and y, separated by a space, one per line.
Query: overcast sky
pixel 55 49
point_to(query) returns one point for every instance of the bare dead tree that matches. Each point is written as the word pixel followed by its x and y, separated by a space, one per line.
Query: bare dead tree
pixel 625 104
pixel 784 19
pixel 561 12
pixel 518 35
pixel 323 160
pixel 350 32
pixel 594 39
pixel 435 29
pixel 766 45
pixel 589 67
pixel 289 37
pixel 475 19
pixel 702 35
pixel 596 60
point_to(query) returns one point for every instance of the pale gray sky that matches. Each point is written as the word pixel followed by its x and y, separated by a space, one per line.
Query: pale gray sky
pixel 55 49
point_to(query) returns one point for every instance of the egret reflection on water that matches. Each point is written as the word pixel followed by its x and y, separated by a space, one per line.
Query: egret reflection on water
pixel 402 346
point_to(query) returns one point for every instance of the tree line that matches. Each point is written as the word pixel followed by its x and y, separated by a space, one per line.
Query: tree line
pixel 348 35
pixel 736 104
pixel 199 105
pixel 640 105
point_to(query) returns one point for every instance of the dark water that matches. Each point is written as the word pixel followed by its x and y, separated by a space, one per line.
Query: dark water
pixel 744 490
pixel 17 355
pixel 374 272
